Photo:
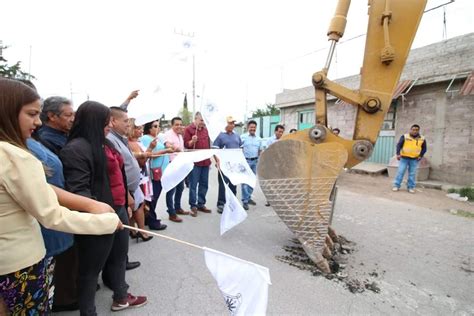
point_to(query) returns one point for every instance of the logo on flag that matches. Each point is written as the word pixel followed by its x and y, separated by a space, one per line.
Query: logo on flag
pixel 243 284
pixel 235 167
pixel 233 302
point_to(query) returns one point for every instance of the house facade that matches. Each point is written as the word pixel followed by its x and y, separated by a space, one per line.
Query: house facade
pixel 436 91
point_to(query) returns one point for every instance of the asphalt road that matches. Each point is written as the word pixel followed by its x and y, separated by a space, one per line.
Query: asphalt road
pixel 421 259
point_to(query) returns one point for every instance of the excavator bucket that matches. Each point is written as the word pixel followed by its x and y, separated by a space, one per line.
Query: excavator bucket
pixel 297 178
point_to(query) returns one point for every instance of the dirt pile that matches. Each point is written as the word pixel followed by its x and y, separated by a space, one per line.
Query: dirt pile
pixel 298 258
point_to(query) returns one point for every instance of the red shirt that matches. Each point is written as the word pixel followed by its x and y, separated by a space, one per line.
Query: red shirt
pixel 203 141
pixel 114 169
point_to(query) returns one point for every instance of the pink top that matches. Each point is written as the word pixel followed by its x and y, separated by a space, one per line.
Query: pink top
pixel 175 140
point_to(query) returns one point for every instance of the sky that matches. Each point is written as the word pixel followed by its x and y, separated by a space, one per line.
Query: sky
pixel 245 52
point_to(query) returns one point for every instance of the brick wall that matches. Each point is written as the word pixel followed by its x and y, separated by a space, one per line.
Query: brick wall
pixel 447 122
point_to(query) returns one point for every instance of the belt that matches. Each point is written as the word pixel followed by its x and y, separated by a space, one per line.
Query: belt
pixel 251 159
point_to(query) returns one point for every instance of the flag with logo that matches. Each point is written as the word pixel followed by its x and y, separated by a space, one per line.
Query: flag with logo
pixel 233 213
pixel 243 284
pixel 214 119
pixel 235 167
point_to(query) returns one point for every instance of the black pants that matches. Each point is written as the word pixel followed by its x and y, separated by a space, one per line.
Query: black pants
pixel 106 253
pixel 65 277
pixel 221 198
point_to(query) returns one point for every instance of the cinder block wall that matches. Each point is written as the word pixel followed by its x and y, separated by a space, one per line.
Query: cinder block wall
pixel 447 122
pixel 339 115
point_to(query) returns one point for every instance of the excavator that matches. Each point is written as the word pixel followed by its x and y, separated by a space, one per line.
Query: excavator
pixel 298 173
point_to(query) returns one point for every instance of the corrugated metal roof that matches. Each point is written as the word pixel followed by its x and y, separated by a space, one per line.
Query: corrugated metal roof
pixel 401 87
pixel 468 86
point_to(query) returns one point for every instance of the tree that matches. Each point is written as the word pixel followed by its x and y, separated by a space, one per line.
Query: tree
pixel 186 116
pixel 184 112
pixel 270 110
pixel 12 71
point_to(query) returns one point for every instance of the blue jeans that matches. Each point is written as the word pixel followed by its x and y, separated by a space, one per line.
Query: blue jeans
pixel 197 195
pixel 247 190
pixel 173 198
pixel 405 163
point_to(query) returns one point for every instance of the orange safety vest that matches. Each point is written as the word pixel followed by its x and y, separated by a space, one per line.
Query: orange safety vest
pixel 412 146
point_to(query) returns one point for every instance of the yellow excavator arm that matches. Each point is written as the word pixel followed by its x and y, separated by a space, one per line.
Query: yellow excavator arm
pixel 297 174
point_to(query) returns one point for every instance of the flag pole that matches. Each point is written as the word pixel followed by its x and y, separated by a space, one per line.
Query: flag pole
pixel 162 236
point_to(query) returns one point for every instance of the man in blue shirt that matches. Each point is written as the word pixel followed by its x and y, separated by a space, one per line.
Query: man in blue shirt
pixel 226 140
pixel 57 116
pixel 279 130
pixel 252 145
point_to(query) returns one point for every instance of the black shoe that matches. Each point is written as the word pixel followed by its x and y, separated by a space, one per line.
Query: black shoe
pixel 252 202
pixel 143 238
pixel 267 204
pixel 246 207
pixel 157 227
pixel 132 265
pixel 220 209
pixel 65 308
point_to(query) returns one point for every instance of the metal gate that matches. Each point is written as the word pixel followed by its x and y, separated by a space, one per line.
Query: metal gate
pixel 384 148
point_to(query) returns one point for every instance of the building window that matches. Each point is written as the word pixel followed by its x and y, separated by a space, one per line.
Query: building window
pixel 306 117
pixel 389 121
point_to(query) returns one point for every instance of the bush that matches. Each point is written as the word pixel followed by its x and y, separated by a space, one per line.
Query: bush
pixel 466 191
pixel 469 192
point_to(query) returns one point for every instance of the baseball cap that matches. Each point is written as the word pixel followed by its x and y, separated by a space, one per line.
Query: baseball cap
pixel 230 119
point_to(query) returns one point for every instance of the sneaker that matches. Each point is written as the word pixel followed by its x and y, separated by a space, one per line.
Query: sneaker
pixel 252 202
pixel 246 206
pixel 411 191
pixel 129 301
pixel 220 209
pixel 395 189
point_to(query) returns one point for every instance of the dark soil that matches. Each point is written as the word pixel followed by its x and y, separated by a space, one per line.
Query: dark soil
pixel 297 257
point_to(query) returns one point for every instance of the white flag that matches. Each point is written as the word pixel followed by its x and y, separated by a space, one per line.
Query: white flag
pixel 214 119
pixel 235 167
pixel 233 213
pixel 182 165
pixel 243 284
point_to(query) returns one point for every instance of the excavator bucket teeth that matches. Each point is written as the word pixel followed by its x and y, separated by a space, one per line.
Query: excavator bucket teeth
pixel 297 178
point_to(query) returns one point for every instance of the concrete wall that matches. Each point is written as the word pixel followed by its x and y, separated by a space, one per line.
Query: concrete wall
pixel 447 122
pixel 340 115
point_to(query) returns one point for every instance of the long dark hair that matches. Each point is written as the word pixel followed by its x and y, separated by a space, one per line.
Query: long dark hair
pixel 148 126
pixel 89 123
pixel 13 96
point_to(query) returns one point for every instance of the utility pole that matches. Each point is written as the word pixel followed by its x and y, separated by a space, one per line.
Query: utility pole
pixel 189 45
pixel 29 65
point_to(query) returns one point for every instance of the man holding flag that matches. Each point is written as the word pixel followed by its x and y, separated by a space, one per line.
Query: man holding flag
pixel 226 140
pixel 196 136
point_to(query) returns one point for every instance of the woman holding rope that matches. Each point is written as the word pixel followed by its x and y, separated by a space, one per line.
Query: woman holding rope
pixel 93 168
pixel 25 200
